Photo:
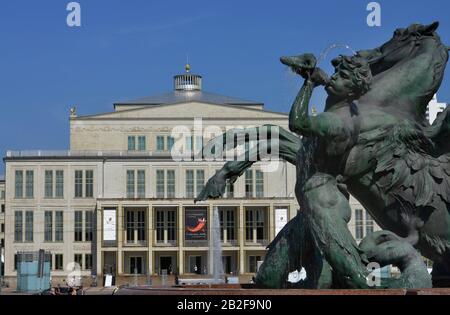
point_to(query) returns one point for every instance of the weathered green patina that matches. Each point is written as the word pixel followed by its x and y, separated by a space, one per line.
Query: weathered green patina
pixel 374 142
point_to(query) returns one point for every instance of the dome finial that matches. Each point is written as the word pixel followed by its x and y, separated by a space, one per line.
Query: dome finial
pixel 187 67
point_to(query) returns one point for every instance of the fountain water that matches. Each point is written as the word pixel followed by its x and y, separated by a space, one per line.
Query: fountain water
pixel 327 50
pixel 216 249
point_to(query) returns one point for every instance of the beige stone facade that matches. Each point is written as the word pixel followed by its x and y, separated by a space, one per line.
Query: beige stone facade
pixel 117 202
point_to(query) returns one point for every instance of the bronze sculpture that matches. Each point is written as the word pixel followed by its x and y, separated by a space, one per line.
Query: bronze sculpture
pixel 373 142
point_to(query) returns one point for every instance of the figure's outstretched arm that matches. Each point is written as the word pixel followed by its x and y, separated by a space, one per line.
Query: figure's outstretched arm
pixel 288 146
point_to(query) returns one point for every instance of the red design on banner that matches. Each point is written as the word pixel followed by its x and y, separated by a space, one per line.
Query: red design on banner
pixel 199 227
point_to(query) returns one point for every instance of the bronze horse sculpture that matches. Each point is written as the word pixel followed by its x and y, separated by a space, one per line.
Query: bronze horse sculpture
pixel 373 142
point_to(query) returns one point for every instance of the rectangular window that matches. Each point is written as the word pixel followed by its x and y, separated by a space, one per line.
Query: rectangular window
pixel 78 184
pixel 171 225
pixel 227 223
pixel 15 261
pixel 59 191
pixel 249 183
pixel 260 225
pixel 78 226
pixel 160 226
pixel 170 143
pixel 88 261
pixel 3 229
pixel 130 184
pixel 3 194
pixel 230 225
pixel 200 180
pixel 131 143
pixel 249 225
pixel 170 184
pixel 259 184
pixel 141 184
pixel 189 184
pixel 59 226
pixel 18 184
pixel 3 208
pixel 160 184
pixel 160 143
pixel 135 226
pixel 18 226
pixel 130 226
pixel 29 184
pixel 78 259
pixel 59 264
pixel 359 224
pixel 140 224
pixel 89 223
pixel 255 225
pixel 48 226
pixel 165 224
pixel 141 143
pixel 369 224
pixel 29 226
pixel 89 184
pixel 48 185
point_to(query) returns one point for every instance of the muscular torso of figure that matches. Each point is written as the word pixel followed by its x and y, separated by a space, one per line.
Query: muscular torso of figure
pixel 338 153
pixel 343 155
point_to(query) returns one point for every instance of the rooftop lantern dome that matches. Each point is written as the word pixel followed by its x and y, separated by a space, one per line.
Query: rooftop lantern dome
pixel 188 81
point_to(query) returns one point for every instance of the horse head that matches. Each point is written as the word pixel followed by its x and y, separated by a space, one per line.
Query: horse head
pixel 402 46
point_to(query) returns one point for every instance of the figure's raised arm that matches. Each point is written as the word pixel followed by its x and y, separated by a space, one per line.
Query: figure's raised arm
pixel 305 66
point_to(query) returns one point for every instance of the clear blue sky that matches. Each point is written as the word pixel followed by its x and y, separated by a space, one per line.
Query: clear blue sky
pixel 128 49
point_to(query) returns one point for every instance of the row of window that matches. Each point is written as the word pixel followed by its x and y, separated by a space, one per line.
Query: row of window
pixel 195 181
pixel 53 226
pixel 166 225
pixel 139 143
pixel 163 143
pixel 135 184
pixel 80 263
pixel 53 184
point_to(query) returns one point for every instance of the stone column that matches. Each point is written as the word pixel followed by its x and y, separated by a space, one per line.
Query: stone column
pixel 150 239
pixel 180 225
pixel 210 254
pixel 241 236
pixel 99 236
pixel 120 232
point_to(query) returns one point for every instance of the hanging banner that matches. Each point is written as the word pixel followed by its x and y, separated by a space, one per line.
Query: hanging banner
pixel 280 219
pixel 109 225
pixel 195 224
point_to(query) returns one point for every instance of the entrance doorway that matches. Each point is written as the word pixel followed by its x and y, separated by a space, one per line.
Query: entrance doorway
pixel 165 262
pixel 135 265
pixel 195 264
